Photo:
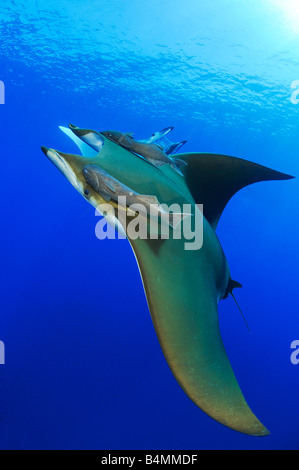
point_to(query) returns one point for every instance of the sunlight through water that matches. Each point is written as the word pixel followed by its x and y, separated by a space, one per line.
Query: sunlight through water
pixel 290 10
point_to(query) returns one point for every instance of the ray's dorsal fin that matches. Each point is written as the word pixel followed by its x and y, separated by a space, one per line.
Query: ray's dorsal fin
pixel 213 180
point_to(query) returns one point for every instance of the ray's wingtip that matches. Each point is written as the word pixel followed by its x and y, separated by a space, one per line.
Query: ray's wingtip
pixel 286 176
pixel 260 431
pixel 263 433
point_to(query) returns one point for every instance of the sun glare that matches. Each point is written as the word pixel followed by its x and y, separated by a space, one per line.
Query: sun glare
pixel 290 10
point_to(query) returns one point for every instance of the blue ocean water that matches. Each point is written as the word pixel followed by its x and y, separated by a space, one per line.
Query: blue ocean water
pixel 84 368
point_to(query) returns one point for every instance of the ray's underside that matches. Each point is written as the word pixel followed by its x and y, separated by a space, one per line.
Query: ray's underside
pixel 183 287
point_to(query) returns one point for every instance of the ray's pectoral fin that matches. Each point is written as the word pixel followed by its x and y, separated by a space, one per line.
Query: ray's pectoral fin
pixel 186 323
pixel 214 179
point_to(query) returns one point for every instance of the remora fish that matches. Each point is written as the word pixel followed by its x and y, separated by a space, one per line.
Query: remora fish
pixel 151 152
pixel 158 135
pixel 110 188
pixel 160 139
pixel 183 287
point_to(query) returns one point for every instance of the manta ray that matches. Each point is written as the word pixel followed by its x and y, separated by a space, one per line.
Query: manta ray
pixel 182 287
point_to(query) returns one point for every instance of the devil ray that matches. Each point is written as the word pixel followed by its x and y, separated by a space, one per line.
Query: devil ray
pixel 182 287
